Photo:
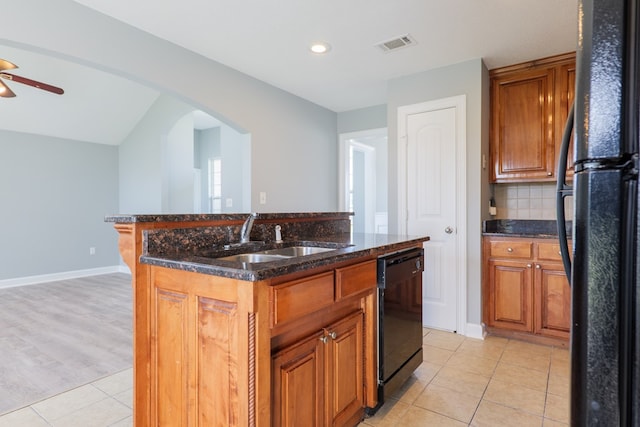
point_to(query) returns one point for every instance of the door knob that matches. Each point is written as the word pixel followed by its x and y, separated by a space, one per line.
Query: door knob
pixel 448 230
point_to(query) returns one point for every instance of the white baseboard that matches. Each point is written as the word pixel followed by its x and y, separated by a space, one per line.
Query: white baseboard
pixel 65 275
pixel 474 330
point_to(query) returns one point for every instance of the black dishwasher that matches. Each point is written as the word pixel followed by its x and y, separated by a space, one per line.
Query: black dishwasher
pixel 400 319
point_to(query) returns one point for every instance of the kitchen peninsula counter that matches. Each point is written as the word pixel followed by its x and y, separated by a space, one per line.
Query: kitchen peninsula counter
pixel 347 247
pixel 221 342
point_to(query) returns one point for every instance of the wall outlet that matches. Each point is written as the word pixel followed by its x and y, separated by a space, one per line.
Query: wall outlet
pixel 92 251
pixel 229 203
pixel 263 198
pixel 493 211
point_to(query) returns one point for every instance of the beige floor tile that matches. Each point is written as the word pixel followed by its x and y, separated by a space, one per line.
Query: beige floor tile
pixel 525 377
pixel 516 397
pixel 460 381
pixel 469 363
pixel 558 385
pixel 418 417
pixel 445 340
pixel 560 368
pixel 447 402
pixel 526 347
pixel 546 422
pixel 557 408
pixel 436 355
pixel 66 403
pixel 426 371
pixel 116 383
pixel 25 417
pixel 99 414
pixel 410 390
pixel 493 415
pixel 496 340
pixel 526 360
pixel 489 349
pixel 390 412
pixel 560 354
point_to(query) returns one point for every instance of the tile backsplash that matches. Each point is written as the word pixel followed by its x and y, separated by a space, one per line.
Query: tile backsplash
pixel 528 201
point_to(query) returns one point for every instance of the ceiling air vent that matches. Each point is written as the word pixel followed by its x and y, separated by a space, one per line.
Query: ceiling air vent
pixel 397 43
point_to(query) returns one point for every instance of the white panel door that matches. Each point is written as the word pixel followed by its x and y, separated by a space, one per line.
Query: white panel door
pixel 431 209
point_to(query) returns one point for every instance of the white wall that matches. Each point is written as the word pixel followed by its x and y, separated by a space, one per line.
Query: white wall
pixel 290 136
pixel 471 79
pixel 55 194
pixel 178 167
pixel 143 182
pixel 362 119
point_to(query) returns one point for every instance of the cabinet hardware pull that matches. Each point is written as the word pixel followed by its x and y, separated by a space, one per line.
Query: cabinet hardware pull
pixel 509 249
pixel 538 266
pixel 528 265
pixel 324 340
pixel 333 335
pixel 549 174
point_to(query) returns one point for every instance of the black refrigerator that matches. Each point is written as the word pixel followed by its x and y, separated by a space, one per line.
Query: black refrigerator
pixel 605 339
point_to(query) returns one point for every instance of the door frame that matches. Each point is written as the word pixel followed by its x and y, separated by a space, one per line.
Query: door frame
pixel 370 166
pixel 459 103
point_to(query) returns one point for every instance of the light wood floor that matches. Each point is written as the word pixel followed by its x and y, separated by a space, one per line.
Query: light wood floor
pixel 57 336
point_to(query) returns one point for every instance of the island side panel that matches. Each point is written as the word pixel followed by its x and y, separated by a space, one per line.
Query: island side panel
pixel 130 246
pixel 207 340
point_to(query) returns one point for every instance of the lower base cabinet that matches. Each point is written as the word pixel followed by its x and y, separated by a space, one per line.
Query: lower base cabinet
pixel 319 381
pixel 525 288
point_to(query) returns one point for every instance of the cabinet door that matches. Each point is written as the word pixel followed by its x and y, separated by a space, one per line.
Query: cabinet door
pixel 522 133
pixel 345 368
pixel 565 95
pixel 299 384
pixel 552 301
pixel 510 295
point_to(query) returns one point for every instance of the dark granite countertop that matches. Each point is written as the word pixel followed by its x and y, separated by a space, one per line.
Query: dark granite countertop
pixel 350 246
pixel 523 227
pixel 135 218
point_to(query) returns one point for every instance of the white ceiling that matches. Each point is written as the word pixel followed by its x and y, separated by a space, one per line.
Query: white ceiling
pixel 269 40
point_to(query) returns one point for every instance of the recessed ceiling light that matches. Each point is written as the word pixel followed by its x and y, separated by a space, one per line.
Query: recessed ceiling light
pixel 320 47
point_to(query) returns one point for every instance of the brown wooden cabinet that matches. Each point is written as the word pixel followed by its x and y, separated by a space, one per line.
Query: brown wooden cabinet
pixel 319 381
pixel 214 340
pixel 529 106
pixel 525 289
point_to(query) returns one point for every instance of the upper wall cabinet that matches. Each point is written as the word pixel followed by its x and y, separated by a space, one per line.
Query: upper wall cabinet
pixel 529 107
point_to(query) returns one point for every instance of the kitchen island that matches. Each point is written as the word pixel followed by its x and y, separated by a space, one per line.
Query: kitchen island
pixel 289 341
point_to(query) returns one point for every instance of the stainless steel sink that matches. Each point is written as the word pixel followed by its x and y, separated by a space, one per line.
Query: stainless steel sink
pixel 253 257
pixel 276 254
pixel 292 251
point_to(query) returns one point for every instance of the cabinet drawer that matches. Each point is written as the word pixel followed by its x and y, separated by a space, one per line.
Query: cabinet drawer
pixel 355 278
pixel 295 299
pixel 549 251
pixel 511 249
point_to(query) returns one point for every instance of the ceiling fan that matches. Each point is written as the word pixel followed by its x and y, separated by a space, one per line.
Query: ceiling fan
pixel 5 92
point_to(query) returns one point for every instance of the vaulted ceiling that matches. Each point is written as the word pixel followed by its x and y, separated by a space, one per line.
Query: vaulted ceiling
pixel 270 40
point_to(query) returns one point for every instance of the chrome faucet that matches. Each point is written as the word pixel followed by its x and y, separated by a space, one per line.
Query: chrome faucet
pixel 245 232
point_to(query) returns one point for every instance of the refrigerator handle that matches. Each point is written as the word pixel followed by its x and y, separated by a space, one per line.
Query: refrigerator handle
pixel 563 190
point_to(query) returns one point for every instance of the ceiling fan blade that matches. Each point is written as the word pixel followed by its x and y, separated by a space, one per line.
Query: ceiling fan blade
pixel 6 65
pixel 34 83
pixel 5 92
